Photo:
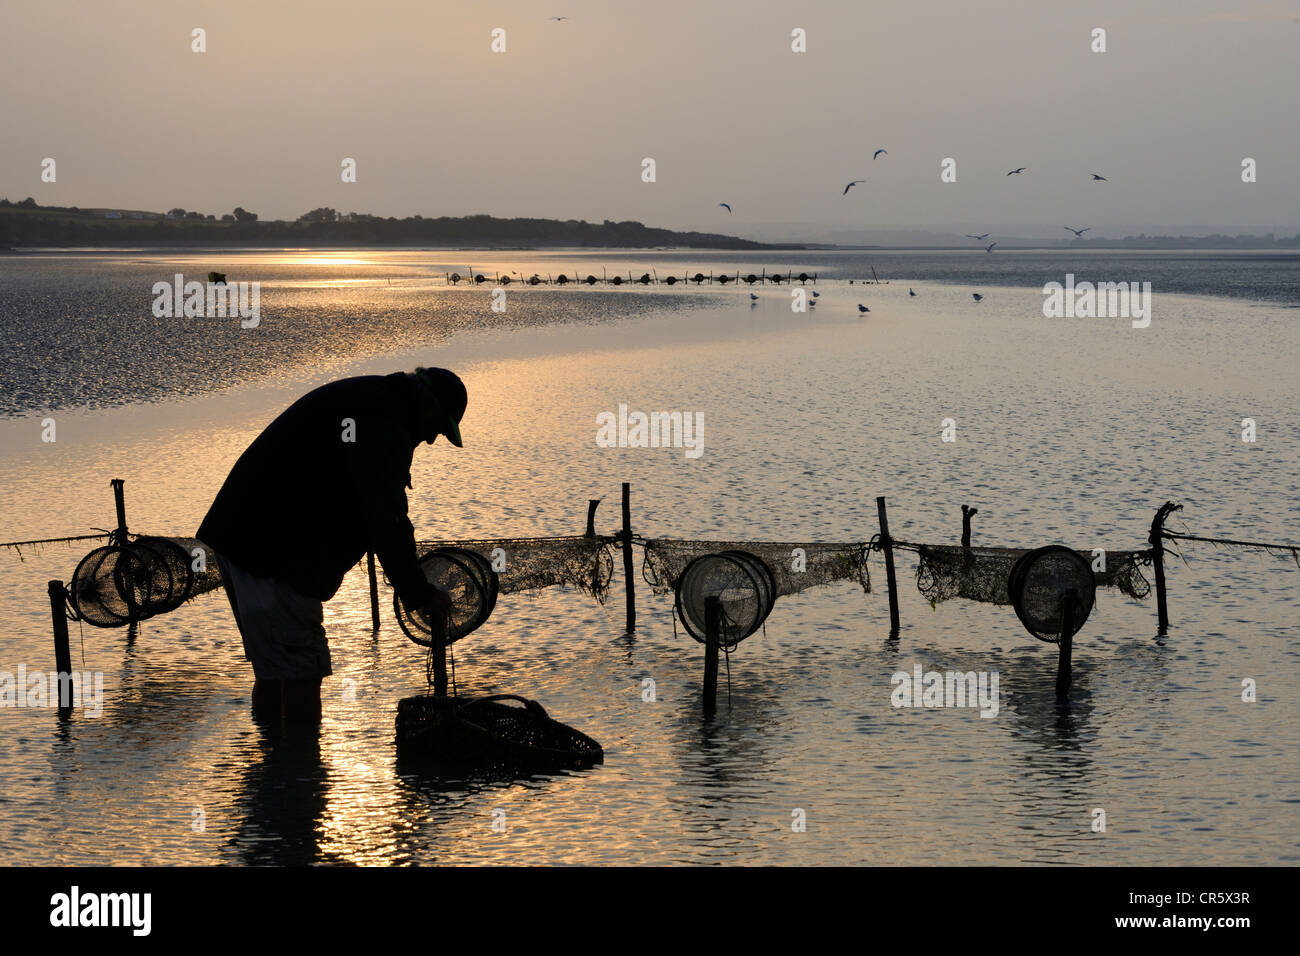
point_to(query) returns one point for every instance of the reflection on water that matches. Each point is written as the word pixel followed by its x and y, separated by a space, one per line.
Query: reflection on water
pixel 281 801
pixel 1067 433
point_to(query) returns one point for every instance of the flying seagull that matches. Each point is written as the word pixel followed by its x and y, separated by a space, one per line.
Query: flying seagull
pixel 1102 179
pixel 862 308
pixel 976 296
pixel 980 238
pixel 724 204
pixel 990 248
pixel 851 185
pixel 878 154
pixel 1020 170
pixel 557 18
pixel 1078 233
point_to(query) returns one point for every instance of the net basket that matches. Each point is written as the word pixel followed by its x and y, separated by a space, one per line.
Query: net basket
pixel 487 734
pixel 744 586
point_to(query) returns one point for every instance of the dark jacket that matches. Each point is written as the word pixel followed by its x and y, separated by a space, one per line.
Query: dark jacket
pixel 303 506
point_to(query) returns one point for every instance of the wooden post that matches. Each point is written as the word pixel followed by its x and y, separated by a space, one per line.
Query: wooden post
pixel 374 590
pixel 62 652
pixel 966 514
pixel 119 499
pixel 887 544
pixel 629 584
pixel 1156 540
pixel 712 624
pixel 438 635
pixel 1066 646
pixel 592 503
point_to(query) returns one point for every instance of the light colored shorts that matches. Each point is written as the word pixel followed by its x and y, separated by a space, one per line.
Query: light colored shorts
pixel 283 629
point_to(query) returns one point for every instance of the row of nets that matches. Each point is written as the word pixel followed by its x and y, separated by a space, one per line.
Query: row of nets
pixel 530 564
pixel 982 574
pixel 795 565
pixel 120 584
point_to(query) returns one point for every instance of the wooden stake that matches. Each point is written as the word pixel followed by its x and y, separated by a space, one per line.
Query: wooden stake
pixel 712 624
pixel 439 650
pixel 119 499
pixel 592 503
pixel 1066 645
pixel 1156 540
pixel 629 584
pixel 966 514
pixel 887 545
pixel 374 590
pixel 62 652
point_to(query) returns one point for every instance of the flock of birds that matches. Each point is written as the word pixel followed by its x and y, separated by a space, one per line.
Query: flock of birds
pixel 649 278
pixel 1078 233
pixel 698 278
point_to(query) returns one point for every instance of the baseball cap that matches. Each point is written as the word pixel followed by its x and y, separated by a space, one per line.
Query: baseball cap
pixel 448 392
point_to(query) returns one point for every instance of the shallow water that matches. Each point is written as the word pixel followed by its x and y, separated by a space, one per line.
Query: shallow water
pixel 1067 431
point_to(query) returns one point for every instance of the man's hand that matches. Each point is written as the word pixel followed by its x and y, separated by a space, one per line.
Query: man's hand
pixel 439 608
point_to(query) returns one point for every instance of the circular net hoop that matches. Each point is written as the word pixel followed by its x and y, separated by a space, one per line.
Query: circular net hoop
pixel 179 573
pixel 743 585
pixel 1041 581
pixel 120 584
pixel 765 576
pixel 471 596
pixel 489 580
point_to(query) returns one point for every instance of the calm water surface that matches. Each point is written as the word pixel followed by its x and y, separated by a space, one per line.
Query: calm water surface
pixel 1069 431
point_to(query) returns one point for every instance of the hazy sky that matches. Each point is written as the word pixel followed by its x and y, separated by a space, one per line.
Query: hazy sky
pixel 557 126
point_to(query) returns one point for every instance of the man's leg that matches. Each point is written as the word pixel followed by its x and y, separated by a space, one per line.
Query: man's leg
pixel 268 697
pixel 301 700
pixel 284 638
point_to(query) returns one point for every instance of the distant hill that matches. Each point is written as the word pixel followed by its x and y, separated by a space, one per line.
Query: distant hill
pixel 27 224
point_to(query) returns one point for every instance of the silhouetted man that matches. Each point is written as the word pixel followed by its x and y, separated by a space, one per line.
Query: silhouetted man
pixel 323 484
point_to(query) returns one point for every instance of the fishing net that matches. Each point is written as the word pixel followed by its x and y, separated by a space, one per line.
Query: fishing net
pixel 530 564
pixel 794 566
pixel 744 586
pixel 468 579
pixel 983 574
pixel 121 584
pixel 487 734
pixel 1042 582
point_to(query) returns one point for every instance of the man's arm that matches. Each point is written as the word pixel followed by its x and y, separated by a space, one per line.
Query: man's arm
pixel 377 464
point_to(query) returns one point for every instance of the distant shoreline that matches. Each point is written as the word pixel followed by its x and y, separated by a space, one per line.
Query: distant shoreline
pixel 27 223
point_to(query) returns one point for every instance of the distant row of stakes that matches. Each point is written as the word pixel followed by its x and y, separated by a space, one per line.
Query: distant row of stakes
pixel 646 278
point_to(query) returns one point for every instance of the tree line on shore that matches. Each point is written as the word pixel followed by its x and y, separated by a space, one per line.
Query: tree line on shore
pixel 26 223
